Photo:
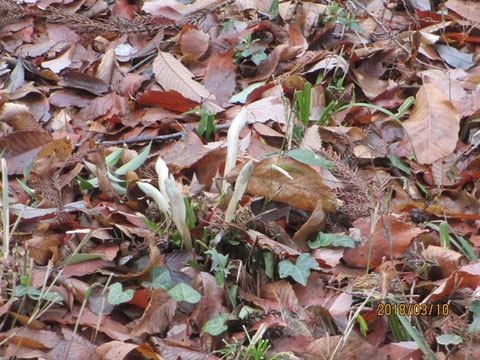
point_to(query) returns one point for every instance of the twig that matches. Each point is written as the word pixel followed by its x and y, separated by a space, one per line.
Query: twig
pixel 155 138
pixel 379 23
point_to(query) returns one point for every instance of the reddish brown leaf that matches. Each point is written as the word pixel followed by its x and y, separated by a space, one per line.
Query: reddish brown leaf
pixel 389 233
pixel 194 42
pixel 170 100
pixel 220 77
pixel 21 147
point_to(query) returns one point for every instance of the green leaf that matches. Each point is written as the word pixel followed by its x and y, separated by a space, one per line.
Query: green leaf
pixel 136 162
pixel 113 158
pixel 417 337
pixel 116 295
pixel 242 96
pixel 300 271
pixel 259 57
pixel 475 325
pixel 269 267
pixel 161 279
pixel 216 326
pixel 449 339
pixel 308 157
pixel 219 259
pixel 184 292
pixel 20 291
pixel 232 295
pixel 399 164
pixel 78 258
pixel 87 184
pixel 323 240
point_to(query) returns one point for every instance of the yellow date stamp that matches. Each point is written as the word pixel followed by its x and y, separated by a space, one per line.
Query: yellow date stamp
pixel 413 309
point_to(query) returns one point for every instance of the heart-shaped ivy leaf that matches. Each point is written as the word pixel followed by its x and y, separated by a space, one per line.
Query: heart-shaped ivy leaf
pixel 300 271
pixel 161 279
pixel 216 326
pixel 184 292
pixel 116 295
pixel 332 240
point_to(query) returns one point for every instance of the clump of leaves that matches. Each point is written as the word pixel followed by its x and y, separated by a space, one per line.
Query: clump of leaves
pixel 338 14
pixel 220 266
pixel 248 50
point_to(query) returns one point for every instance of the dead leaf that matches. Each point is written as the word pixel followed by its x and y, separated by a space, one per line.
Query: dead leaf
pixel 389 233
pixel 264 242
pixel 354 348
pixel 315 223
pixel 433 125
pixel 172 75
pixel 21 147
pixel 170 100
pixel 303 191
pixel 83 81
pixel 470 10
pixel 467 276
pixel 158 314
pixel 194 42
pixel 220 77
pixel 108 70
pixel 446 259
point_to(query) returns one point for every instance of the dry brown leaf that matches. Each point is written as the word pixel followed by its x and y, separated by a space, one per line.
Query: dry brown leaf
pixel 211 303
pixel 470 10
pixel 172 75
pixel 264 242
pixel 84 81
pixel 354 347
pixel 21 147
pixel 108 70
pixel 433 125
pixel 37 339
pixel 281 293
pixel 18 116
pixel 194 42
pixel 315 223
pixel 446 259
pixel 220 77
pixel 467 276
pixel 376 246
pixel 303 191
pixel 118 350
pixel 158 314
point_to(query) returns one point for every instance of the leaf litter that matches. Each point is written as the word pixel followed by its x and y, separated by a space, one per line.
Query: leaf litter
pixel 239 179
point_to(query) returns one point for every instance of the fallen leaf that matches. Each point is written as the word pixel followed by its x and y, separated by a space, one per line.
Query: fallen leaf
pixel 389 234
pixel 220 77
pixel 433 125
pixel 194 42
pixel 470 10
pixel 172 75
pixel 303 191
pixel 21 147
pixel 83 81
pixel 158 314
pixel 170 100
pixel 446 259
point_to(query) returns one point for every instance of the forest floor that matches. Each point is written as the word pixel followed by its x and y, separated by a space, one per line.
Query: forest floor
pixel 246 179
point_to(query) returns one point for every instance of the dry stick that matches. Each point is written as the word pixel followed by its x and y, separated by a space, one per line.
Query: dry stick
pixel 155 138
pixel 379 23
